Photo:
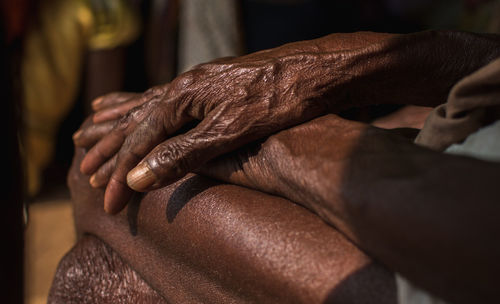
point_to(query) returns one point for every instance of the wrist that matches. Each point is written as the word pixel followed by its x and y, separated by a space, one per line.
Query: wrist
pixel 308 163
pixel 419 68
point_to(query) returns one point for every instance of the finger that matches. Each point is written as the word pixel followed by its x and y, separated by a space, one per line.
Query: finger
pixel 116 111
pixel 139 143
pixel 167 163
pixel 116 196
pixel 111 143
pixel 177 156
pixel 101 152
pixel 118 106
pixel 103 174
pixel 112 99
pixel 87 136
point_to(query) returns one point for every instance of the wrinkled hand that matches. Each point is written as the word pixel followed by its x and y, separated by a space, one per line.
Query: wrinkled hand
pixel 239 100
pixel 236 101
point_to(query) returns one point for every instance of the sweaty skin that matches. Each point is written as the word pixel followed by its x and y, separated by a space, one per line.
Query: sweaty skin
pixel 200 241
pixel 239 100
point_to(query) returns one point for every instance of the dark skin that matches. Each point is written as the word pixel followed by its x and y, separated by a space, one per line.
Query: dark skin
pixel 382 191
pixel 403 204
pixel 201 241
pixel 82 271
pixel 239 100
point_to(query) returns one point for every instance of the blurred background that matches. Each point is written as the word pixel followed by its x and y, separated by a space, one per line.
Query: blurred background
pixel 58 55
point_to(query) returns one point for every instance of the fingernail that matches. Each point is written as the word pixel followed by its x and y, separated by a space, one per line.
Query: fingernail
pixel 77 134
pixel 141 177
pixel 97 102
pixel 93 182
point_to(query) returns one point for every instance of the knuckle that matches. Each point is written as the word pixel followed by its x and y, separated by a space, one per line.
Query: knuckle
pixel 148 106
pixel 123 122
pixel 173 157
pixel 156 93
pixel 134 115
pixel 183 82
pixel 153 91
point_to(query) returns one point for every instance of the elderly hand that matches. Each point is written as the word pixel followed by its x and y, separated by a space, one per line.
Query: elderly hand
pixel 239 100
pixel 235 101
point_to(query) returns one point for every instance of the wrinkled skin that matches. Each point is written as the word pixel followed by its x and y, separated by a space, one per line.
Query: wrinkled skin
pixel 93 273
pixel 239 100
pixel 200 241
pixel 386 194
pixel 253 247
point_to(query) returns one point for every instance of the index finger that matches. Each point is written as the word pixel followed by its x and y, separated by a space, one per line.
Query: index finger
pixel 114 98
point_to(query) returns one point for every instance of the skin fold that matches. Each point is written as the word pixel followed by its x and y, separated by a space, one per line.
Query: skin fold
pixel 200 241
pixel 234 101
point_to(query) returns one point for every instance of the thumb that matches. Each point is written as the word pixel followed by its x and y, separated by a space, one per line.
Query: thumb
pixel 168 162
pixel 174 158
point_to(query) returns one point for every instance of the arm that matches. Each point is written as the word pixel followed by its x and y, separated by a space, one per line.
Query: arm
pixel 430 216
pixel 199 241
pixel 239 100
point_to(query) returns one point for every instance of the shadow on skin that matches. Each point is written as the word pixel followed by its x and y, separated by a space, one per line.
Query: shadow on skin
pixel 229 244
pixel 409 205
pixel 184 193
pixel 133 212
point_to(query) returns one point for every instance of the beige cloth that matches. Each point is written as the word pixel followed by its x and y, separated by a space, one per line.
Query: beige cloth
pixel 208 30
pixel 484 144
pixel 409 294
pixel 473 102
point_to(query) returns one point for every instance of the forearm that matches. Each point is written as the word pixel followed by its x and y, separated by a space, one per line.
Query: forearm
pixel 420 212
pixel 420 68
pixel 357 69
pixel 201 241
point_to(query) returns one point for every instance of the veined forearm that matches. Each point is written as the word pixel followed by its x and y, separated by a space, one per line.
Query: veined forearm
pixel 417 69
pixel 357 69
pixel 421 68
